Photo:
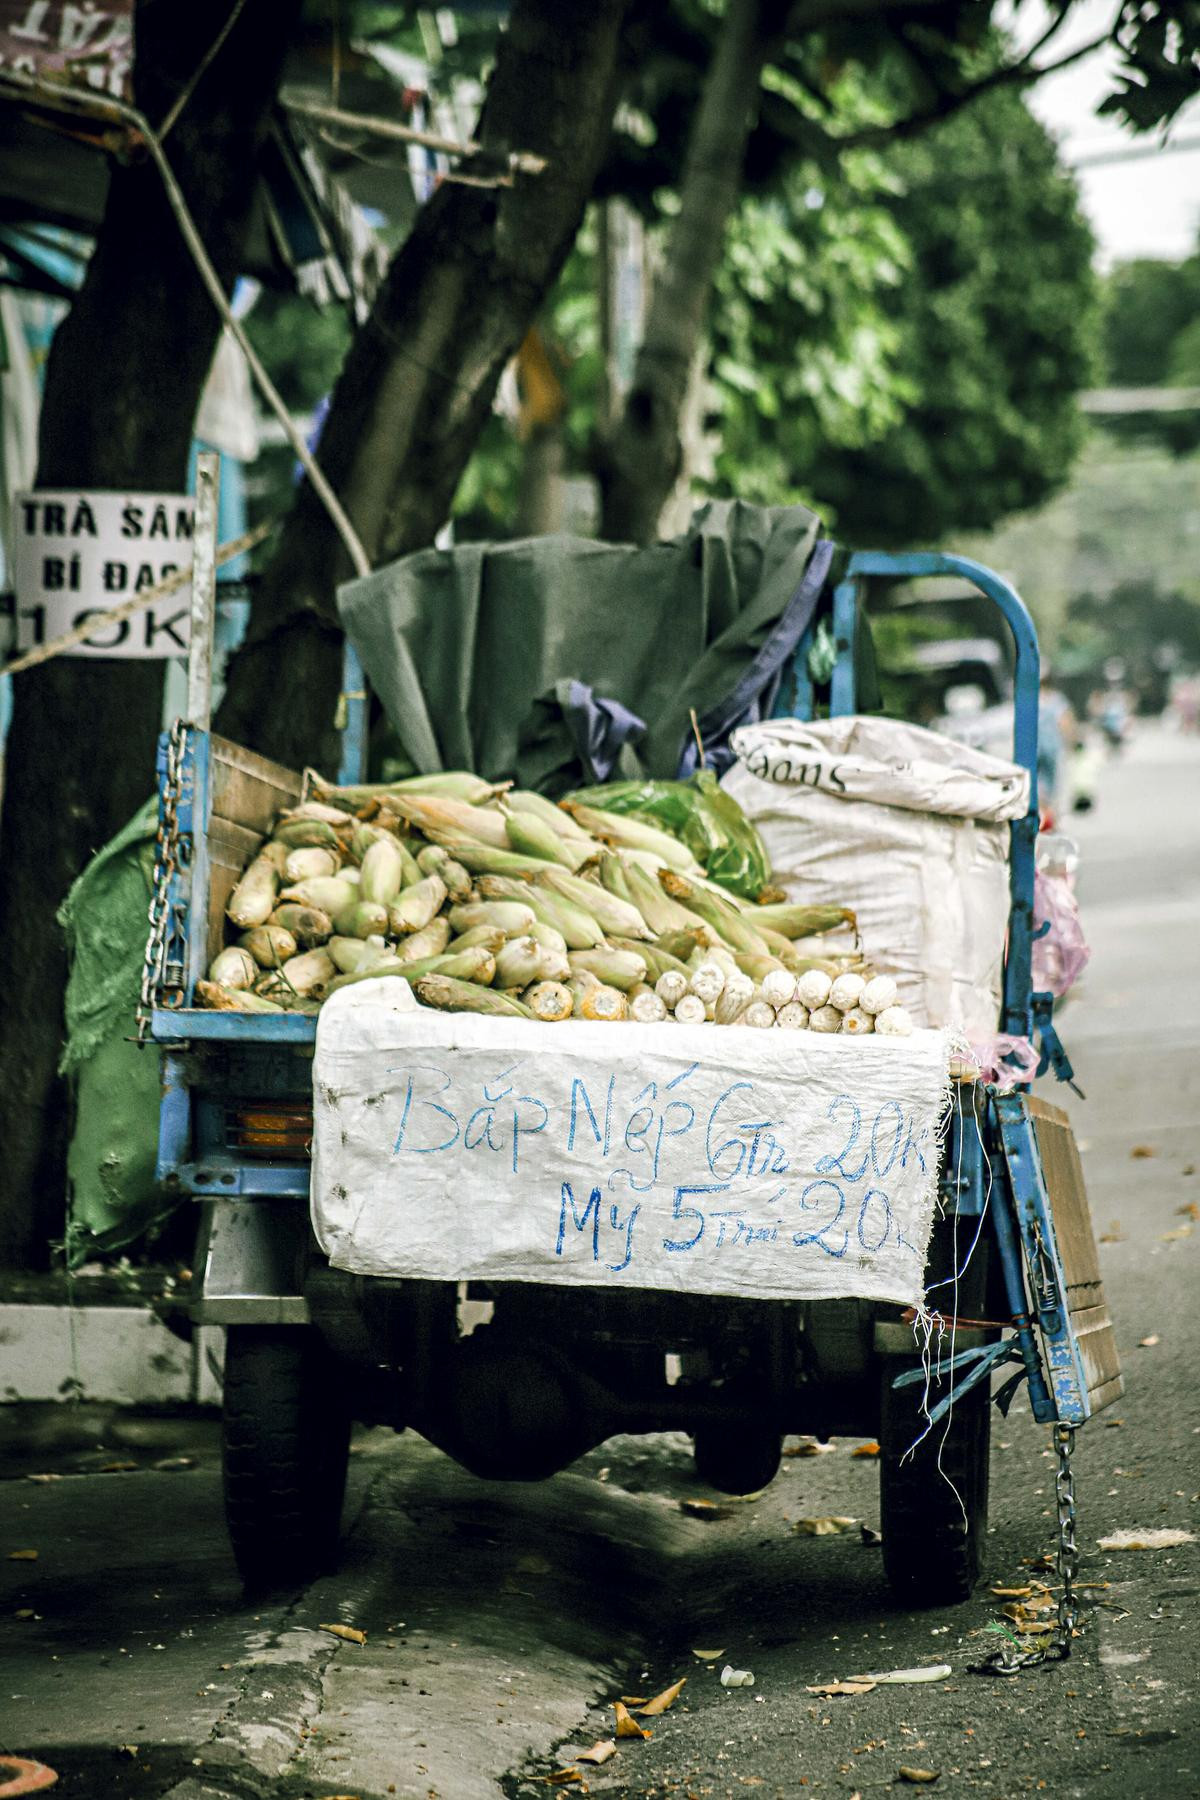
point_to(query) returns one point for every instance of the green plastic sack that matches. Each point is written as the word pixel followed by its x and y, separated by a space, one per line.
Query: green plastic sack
pixel 702 816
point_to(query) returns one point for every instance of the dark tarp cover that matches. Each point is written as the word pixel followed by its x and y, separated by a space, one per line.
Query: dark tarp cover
pixel 470 649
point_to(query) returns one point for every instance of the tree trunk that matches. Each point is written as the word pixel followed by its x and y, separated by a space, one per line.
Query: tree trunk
pixel 641 461
pixel 124 377
pixel 420 376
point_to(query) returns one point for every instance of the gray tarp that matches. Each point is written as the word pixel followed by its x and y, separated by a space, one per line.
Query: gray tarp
pixel 466 647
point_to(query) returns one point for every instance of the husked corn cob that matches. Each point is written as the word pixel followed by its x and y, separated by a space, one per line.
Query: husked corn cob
pixel 549 1001
pixel 604 1003
pixel 253 899
pixel 708 982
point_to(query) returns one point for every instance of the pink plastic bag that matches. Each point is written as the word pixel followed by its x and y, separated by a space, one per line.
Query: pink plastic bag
pixel 1060 955
pixel 1006 1061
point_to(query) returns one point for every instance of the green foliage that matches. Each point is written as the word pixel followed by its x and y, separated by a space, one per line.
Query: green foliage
pixel 1147 307
pixel 997 336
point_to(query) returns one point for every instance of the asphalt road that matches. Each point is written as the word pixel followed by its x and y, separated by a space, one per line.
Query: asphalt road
pixel 502 1621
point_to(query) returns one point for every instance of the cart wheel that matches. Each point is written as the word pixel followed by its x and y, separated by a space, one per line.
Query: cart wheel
pixel 934 1502
pixel 285 1447
pixel 737 1459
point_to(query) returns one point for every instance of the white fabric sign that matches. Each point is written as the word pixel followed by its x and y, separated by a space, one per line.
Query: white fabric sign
pixel 702 1159
pixel 79 553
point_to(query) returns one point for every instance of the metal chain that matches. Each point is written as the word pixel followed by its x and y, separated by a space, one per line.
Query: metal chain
pixel 1011 1659
pixel 161 977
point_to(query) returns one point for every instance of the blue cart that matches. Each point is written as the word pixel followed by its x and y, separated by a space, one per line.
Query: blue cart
pixel 310 1349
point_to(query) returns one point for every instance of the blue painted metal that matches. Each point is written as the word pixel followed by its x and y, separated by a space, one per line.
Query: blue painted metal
pixel 845 620
pixel 352 717
pixel 174 1118
pixel 224 1177
pixel 194 812
pixel 168 1026
pixel 1012 1268
pixel 795 698
pixel 1046 1281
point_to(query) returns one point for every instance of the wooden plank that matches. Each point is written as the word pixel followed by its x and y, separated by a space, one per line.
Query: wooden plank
pixel 1091 1321
pixel 248 789
pixel 230 848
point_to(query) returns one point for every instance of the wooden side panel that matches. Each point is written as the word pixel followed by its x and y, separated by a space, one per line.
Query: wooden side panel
pixel 1063 1175
pixel 247 792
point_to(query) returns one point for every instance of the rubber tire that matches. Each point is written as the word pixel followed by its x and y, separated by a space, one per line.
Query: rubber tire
pixel 285 1450
pixel 931 1552
pixel 737 1459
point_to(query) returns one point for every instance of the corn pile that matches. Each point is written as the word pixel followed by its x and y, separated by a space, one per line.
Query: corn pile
pixel 488 899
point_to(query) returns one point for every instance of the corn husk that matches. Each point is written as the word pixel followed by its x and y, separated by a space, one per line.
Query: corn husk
pixel 489 937
pixel 577 928
pixel 671 987
pixel 732 1004
pixel 363 919
pixel 759 967
pixel 435 860
pixel 604 1004
pixel 609 913
pixel 614 877
pixel 825 1018
pixel 296 833
pixel 329 893
pixel 351 954
pixel 449 995
pixel 760 1014
pixel 548 937
pixel 224 999
pixel 307 974
pixel 549 1001
pixel 307 924
pixel 518 963
pixel 613 968
pixel 857 1023
pixel 253 899
pixel 457 784
pixel 432 940
pixel 812 988
pixel 417 905
pixel 708 982
pixel 578 985
pixel 690 1010
pixel 339 816
pixel 725 920
pixel 660 912
pixel 233 968
pixel 383 869
pixel 269 945
pixel 683 944
pixel 522 800
pixel 622 829
pixel 846 992
pixel 878 995
pixel 450 822
pixel 481 859
pixel 512 917
pixel 893 1021
pixel 804 921
pixel 645 1007
pixel 657 961
pixel 531 836
pixel 302 865
pixel 778 988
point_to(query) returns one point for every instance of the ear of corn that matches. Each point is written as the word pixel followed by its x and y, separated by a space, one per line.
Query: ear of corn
pixel 303 864
pixel 269 945
pixel 803 921
pixel 482 859
pixel 449 995
pixel 297 833
pixel 489 936
pixel 329 893
pixel 548 937
pixel 518 963
pixel 660 912
pixel 511 917
pixel 614 968
pixel 605 1004
pixel 609 913
pixel 432 940
pixel 725 920
pixel 351 953
pixel 792 1017
pixel 434 859
pixel 224 999
pixel 338 816
pixel 253 899
pixel 453 784
pixel 522 800
pixel 417 905
pixel 307 924
pixel 531 836
pixel 233 968
pixel 383 869
pixel 645 1007
pixel 549 1001
pixel 690 1010
pixel 362 919
pixel 620 828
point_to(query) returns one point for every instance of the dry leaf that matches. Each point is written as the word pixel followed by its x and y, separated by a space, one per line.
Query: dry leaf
pixel 350 1633
pixel 1188 1169
pixel 634 1699
pixel 1190 1211
pixel 1017 1593
pixel 562 1777
pixel 24 1612
pixel 22 1556
pixel 1162 1537
pixel 871 1449
pixel 1148 1343
pixel 1141 1151
pixel 43 1478
pixel 707 1509
pixel 660 1702
pixel 116 1468
pixel 918 1775
pixel 843 1687
pixel 708 1655
pixel 628 1727
pixel 599 1753
pixel 1171 1237
pixel 828 1526
pixel 870 1536
pixel 1114 1234
pixel 810 1446
pixel 906 1677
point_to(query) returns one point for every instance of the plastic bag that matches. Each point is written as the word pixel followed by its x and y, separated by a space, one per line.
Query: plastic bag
pixel 1060 951
pixel 705 818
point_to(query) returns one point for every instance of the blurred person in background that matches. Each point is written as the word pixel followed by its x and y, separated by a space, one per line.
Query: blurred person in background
pixel 1058 739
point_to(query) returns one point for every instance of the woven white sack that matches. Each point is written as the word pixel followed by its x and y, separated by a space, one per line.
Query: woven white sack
pixel 930 888
pixel 701 1159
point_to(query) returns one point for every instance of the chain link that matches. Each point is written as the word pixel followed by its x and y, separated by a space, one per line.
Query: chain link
pixel 162 974
pixel 1012 1658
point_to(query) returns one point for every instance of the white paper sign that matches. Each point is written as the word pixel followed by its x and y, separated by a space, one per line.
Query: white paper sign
pixel 720 1160
pixel 79 553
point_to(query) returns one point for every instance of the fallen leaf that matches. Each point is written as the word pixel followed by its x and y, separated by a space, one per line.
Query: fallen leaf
pixel 708 1655
pixel 599 1753
pixel 827 1526
pixel 1191 1210
pixel 917 1775
pixel 1112 1424
pixel 1114 1234
pixel 116 1468
pixel 628 1727
pixel 562 1777
pixel 22 1556
pixel 1163 1537
pixel 707 1509
pixel 1017 1593
pixel 810 1446
pixel 634 1699
pixel 1141 1151
pixel 24 1612
pixel 906 1677
pixel 350 1633
pixel 870 1536
pixel 871 1449
pixel 43 1478
pixel 1148 1343
pixel 653 1708
pixel 843 1687
pixel 167 1463
pixel 1188 1169
pixel 1180 1231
